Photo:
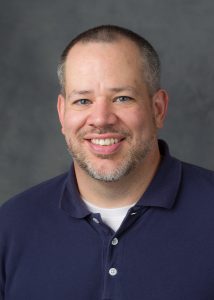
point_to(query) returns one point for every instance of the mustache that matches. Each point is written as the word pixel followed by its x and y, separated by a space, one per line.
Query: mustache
pixel 107 129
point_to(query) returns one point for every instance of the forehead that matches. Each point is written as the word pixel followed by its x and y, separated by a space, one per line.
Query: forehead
pixel 118 60
pixel 121 50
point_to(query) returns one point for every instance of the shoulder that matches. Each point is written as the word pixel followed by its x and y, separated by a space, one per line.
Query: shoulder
pixel 34 198
pixel 195 174
pixel 197 185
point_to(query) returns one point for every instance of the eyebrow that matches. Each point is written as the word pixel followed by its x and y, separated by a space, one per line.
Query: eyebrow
pixel 122 88
pixel 113 89
pixel 79 92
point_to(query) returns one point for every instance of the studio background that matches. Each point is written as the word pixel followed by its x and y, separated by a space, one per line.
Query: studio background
pixel 33 34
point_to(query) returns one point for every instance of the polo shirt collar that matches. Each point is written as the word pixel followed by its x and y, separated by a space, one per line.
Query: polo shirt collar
pixel 164 187
pixel 162 191
pixel 71 201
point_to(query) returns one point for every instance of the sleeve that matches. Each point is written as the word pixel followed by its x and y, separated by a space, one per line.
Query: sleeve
pixel 2 255
pixel 1 274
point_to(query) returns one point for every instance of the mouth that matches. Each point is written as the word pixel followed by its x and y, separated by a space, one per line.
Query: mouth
pixel 105 145
pixel 105 142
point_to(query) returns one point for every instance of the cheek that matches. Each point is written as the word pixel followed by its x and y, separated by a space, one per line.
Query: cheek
pixel 135 120
pixel 73 122
pixel 140 122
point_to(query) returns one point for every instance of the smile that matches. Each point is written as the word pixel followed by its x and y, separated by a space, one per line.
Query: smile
pixel 104 142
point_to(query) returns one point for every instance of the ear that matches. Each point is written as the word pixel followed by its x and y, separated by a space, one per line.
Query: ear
pixel 61 110
pixel 160 106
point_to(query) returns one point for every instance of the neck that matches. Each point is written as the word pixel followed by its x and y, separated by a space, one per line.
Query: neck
pixel 123 192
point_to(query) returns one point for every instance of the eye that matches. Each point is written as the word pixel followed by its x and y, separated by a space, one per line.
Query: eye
pixel 82 102
pixel 123 99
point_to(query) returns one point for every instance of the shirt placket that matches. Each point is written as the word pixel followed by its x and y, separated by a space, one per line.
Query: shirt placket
pixel 113 248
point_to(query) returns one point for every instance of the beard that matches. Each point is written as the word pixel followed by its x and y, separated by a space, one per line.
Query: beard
pixel 128 161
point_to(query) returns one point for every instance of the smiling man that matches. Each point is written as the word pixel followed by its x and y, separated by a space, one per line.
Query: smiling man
pixel 128 221
pixel 110 117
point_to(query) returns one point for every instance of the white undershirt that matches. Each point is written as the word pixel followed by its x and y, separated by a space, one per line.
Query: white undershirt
pixel 113 217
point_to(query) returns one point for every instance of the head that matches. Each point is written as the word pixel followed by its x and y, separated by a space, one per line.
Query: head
pixel 111 105
pixel 149 59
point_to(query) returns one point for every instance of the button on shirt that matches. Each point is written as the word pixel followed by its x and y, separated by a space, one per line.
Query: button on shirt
pixel 52 248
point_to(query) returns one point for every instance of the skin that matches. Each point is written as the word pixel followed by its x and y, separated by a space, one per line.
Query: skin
pixel 107 98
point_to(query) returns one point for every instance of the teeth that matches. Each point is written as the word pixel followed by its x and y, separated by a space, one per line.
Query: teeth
pixel 104 142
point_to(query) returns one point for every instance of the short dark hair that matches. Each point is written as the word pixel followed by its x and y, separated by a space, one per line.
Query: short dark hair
pixel 112 33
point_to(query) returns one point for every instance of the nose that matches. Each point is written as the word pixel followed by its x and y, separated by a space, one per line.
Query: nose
pixel 102 114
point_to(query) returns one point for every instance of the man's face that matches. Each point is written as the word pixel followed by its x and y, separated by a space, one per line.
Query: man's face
pixel 107 116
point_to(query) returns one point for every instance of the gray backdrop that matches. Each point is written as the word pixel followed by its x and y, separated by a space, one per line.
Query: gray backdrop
pixel 33 34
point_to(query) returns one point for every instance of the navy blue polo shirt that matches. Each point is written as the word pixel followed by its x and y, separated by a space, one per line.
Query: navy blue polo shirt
pixel 52 247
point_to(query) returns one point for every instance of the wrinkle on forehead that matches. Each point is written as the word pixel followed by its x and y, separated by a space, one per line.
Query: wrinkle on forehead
pixel 119 89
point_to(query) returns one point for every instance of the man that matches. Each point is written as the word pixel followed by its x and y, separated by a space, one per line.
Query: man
pixel 128 221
